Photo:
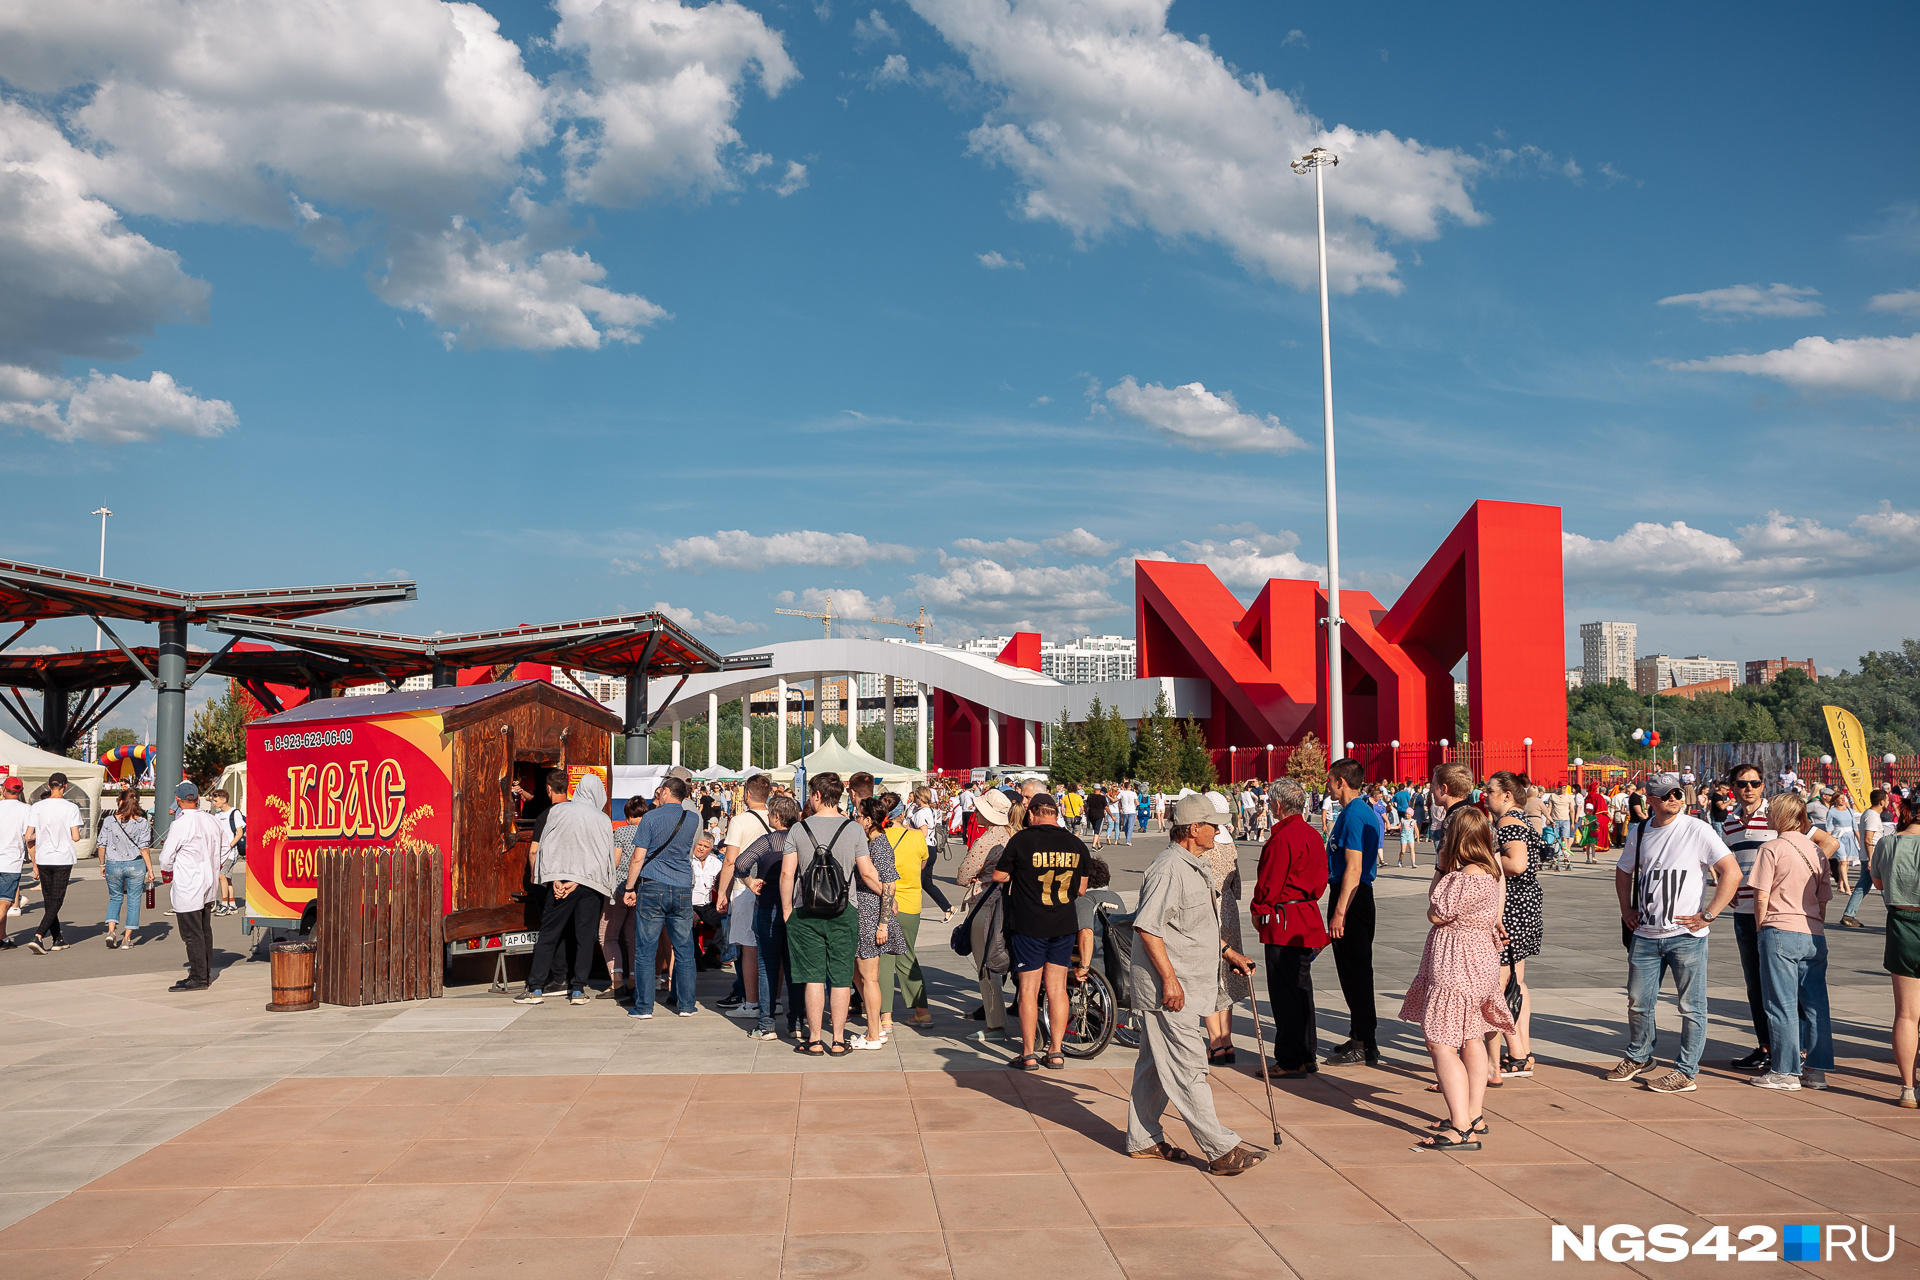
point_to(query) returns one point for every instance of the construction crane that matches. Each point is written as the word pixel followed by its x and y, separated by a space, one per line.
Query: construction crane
pixel 919 625
pixel 826 619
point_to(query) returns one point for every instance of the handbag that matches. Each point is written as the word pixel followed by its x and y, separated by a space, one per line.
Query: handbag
pixel 1512 993
pixel 962 940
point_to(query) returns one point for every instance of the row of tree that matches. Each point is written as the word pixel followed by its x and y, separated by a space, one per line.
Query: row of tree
pixel 1884 694
pixel 1165 753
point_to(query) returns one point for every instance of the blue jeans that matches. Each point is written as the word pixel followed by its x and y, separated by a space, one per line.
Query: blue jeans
pixel 126 886
pixel 1565 827
pixel 1862 885
pixel 661 906
pixel 1126 826
pixel 1686 958
pixel 1795 966
pixel 770 944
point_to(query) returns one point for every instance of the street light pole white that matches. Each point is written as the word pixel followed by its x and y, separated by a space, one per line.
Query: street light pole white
pixel 92 751
pixel 1316 161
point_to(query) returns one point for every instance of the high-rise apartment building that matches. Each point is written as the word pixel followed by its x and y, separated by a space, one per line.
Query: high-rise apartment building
pixel 1575 677
pixel 1658 671
pixel 1606 651
pixel 1088 660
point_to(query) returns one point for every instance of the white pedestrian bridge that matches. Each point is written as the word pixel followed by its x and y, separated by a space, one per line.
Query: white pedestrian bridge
pixel 801 669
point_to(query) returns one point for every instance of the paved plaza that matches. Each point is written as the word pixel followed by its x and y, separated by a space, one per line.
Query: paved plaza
pixel 154 1134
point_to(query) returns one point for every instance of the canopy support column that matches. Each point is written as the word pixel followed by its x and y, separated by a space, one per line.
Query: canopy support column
pixel 746 731
pixel 818 686
pixel 170 720
pixel 1026 741
pixel 993 737
pixel 780 744
pixel 920 732
pixel 889 719
pixel 713 731
pixel 676 742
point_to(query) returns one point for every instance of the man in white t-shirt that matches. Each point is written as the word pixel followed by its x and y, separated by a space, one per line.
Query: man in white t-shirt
pixel 57 827
pixel 1661 881
pixel 742 830
pixel 1745 830
pixel 1129 814
pixel 1877 821
pixel 16 833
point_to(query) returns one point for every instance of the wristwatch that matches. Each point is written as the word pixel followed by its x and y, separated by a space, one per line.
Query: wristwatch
pixel 1709 916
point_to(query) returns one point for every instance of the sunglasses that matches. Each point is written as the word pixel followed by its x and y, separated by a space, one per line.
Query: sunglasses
pixel 1671 795
pixel 1750 782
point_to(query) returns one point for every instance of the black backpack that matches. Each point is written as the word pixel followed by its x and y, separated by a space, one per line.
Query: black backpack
pixel 821 888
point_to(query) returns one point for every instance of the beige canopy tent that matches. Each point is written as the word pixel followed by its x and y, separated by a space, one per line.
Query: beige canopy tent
pixel 834 756
pixel 33 766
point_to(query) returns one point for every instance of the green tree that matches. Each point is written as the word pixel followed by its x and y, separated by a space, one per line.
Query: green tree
pixel 1307 765
pixel 1067 761
pixel 1194 763
pixel 218 737
pixel 118 738
pixel 1153 746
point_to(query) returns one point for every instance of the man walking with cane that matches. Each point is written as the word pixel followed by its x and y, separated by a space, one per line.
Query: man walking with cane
pixel 1177 953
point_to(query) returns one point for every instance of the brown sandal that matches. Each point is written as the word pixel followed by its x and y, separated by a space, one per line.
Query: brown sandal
pixel 1238 1160
pixel 1159 1151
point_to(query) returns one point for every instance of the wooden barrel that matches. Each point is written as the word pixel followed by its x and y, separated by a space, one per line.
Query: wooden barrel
pixel 292 966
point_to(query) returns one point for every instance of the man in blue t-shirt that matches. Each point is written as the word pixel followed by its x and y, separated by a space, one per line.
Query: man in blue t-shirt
pixel 1353 859
pixel 660 891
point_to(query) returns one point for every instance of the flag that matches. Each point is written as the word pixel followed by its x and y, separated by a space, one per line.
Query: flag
pixel 1850 753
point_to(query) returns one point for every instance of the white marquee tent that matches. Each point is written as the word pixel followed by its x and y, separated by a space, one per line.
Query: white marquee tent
pixel 834 756
pixel 33 766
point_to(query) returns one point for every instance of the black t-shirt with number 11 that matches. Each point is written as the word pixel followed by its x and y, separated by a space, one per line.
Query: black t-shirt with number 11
pixel 1045 865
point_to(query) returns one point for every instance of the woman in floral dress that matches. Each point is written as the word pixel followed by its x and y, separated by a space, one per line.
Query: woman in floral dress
pixel 1455 998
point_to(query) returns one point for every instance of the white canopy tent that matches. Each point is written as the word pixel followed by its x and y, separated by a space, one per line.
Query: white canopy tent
pixel 834 756
pixel 33 766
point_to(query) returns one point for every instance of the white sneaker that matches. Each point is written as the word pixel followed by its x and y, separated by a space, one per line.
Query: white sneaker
pixel 1812 1079
pixel 858 1041
pixel 1778 1080
pixel 744 1011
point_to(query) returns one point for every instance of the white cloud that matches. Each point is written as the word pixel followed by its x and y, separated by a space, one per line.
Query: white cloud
pixel 1905 302
pixel 893 71
pixel 851 608
pixel 1781 565
pixel 1201 419
pixel 484 294
pixel 1077 542
pixel 738 549
pixel 1751 300
pixel 663 89
pixel 873 28
pixel 1043 598
pixel 1295 36
pixel 711 623
pixel 1244 556
pixel 795 179
pixel 1885 367
pixel 1012 547
pixel 75 280
pixel 1108 119
pixel 994 260
pixel 107 408
pixel 412 124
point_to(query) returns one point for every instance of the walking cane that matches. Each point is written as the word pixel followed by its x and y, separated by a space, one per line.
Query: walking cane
pixel 1260 1040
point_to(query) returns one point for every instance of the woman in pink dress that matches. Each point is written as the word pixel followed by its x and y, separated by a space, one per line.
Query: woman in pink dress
pixel 1455 998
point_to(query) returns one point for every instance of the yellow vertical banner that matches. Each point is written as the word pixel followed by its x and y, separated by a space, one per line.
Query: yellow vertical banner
pixel 1850 753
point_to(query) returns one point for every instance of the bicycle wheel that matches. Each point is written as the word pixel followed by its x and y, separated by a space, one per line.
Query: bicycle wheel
pixel 1092 1014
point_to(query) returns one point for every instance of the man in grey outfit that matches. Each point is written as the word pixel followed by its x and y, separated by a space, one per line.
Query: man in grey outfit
pixel 1177 955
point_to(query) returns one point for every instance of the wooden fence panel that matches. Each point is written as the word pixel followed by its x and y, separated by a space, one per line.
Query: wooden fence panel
pixel 380 926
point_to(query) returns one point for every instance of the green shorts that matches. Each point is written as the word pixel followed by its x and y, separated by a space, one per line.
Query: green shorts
pixel 1903 943
pixel 820 948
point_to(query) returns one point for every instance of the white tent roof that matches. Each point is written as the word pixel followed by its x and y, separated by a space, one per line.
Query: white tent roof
pixel 32 766
pixel 833 756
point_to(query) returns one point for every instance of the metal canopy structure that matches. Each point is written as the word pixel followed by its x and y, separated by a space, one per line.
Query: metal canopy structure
pixel 106 677
pixel 637 646
pixel 31 593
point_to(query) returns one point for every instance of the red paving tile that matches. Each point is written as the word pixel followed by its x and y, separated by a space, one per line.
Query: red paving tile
pixel 937 1176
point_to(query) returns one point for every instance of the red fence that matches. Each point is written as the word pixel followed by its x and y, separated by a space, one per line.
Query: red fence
pixel 1904 769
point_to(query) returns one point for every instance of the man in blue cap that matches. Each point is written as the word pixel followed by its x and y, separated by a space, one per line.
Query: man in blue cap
pixel 195 843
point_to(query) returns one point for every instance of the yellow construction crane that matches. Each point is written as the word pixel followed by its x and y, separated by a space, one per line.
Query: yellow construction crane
pixel 826 619
pixel 919 625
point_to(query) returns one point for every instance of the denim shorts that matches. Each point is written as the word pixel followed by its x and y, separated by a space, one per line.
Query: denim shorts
pixel 9 886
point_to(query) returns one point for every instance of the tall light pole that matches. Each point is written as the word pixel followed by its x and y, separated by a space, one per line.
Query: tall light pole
pixel 1316 162
pixel 92 751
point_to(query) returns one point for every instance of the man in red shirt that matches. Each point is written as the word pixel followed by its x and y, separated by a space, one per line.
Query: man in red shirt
pixel 1293 875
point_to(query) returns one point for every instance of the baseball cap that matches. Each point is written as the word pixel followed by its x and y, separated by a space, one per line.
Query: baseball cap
pixel 1188 810
pixel 186 791
pixel 12 784
pixel 1042 800
pixel 56 779
pixel 1664 784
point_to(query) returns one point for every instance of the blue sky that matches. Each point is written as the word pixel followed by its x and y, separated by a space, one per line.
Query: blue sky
pixel 963 305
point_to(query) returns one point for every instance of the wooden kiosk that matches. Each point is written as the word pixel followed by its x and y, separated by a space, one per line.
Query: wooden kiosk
pixel 368 791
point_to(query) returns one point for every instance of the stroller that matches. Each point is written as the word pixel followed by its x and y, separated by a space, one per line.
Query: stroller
pixel 1093 1008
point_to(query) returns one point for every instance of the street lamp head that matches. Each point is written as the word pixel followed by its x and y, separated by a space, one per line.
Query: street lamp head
pixel 1526 741
pixel 1888 758
pixel 1314 159
pixel 1578 763
pixel 1396 744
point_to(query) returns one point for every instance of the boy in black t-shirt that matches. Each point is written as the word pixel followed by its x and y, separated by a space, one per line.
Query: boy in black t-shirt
pixel 1043 868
